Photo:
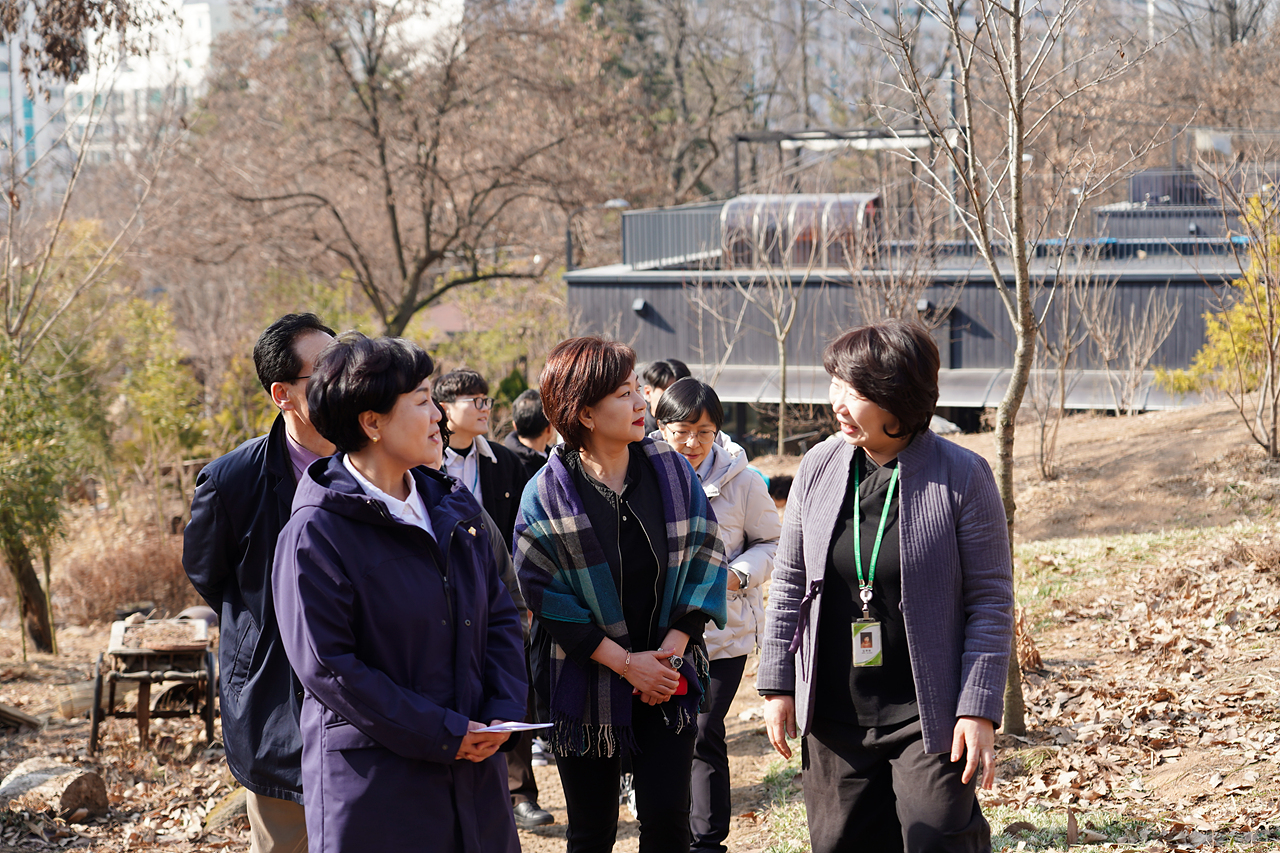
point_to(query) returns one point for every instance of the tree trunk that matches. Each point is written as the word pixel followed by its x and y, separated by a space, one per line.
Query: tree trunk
pixel 47 562
pixel 35 612
pixel 782 397
pixel 1025 328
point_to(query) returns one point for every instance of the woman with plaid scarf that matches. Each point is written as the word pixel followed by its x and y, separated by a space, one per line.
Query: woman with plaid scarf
pixel 619 558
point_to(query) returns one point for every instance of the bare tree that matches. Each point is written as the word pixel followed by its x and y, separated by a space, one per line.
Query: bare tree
pixel 1016 67
pixel 719 321
pixel 1062 335
pixel 1208 26
pixel 393 147
pixel 54 266
pixel 890 276
pixel 1125 342
pixel 56 37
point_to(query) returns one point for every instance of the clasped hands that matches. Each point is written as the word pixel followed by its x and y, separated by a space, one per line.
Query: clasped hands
pixel 652 675
pixel 477 745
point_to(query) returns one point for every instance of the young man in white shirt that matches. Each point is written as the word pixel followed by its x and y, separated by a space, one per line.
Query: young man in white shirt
pixel 496 476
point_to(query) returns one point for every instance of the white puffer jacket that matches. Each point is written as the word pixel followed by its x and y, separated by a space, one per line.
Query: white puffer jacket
pixel 749 528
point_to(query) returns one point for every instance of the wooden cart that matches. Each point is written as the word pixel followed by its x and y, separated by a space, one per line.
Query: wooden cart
pixel 184 658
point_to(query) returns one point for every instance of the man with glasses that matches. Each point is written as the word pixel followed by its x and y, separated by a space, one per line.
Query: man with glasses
pixel 242 501
pixel 496 476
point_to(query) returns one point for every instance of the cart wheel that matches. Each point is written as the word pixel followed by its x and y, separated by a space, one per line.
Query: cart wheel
pixel 211 690
pixel 95 712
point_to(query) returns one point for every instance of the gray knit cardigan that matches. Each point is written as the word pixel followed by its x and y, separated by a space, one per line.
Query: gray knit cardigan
pixel 957 581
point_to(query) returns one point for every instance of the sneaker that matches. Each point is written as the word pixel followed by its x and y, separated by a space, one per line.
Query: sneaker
pixel 541 755
pixel 627 795
pixel 529 816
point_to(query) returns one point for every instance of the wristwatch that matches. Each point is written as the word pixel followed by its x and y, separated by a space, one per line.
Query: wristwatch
pixel 676 662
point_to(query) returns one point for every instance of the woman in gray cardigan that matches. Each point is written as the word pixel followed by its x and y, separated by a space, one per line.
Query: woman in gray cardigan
pixel 890 618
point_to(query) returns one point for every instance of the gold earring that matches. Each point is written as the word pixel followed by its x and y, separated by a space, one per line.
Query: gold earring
pixel 375 438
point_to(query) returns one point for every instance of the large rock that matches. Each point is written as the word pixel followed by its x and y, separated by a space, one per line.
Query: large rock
pixel 46 783
pixel 229 808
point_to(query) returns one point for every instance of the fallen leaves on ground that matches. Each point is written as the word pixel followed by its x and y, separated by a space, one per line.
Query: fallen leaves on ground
pixel 1159 699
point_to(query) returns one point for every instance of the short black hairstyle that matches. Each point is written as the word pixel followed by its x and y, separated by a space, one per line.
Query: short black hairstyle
pixel 527 414
pixel 661 373
pixel 458 383
pixel 894 364
pixel 274 356
pixel 687 400
pixel 356 374
pixel 780 487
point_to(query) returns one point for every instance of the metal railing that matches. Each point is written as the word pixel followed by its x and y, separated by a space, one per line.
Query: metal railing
pixel 671 236
pixel 689 237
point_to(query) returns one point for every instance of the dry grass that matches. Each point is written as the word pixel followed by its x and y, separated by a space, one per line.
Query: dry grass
pixel 149 568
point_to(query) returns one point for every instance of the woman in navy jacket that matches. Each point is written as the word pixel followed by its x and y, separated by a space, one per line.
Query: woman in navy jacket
pixel 395 618
pixel 890 618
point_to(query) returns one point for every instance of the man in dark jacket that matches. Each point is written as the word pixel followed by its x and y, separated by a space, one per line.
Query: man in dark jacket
pixel 496 476
pixel 533 433
pixel 242 502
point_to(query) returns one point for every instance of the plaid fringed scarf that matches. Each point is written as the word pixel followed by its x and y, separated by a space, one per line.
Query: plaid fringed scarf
pixel 565 576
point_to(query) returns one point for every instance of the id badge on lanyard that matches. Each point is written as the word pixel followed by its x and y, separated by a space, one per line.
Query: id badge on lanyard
pixel 868 649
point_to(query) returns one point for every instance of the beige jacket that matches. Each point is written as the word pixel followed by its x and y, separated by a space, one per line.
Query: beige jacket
pixel 749 528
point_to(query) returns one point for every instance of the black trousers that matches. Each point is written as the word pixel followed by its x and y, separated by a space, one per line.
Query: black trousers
pixel 660 768
pixel 520 781
pixel 877 789
pixel 711 810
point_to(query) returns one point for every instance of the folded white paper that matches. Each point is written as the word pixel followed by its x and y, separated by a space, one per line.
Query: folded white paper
pixel 514 727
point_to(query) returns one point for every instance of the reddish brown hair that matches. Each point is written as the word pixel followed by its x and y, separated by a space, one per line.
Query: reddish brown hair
pixel 581 372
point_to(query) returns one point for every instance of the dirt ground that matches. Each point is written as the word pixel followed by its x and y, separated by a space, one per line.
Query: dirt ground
pixel 1158 472
pixel 1193 467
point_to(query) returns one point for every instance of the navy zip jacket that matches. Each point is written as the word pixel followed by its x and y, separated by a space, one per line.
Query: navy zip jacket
pixel 399 639
pixel 242 502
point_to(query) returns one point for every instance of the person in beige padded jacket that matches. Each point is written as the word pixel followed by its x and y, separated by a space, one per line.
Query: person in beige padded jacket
pixel 689 417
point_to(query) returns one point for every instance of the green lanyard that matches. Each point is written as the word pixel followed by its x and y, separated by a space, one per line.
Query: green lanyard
pixel 864 583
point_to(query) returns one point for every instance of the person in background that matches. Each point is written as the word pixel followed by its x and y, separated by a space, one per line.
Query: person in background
pixel 242 501
pixel 491 472
pixel 897 535
pixel 532 434
pixel 496 476
pixel 392 608
pixel 530 440
pixel 780 490
pixel 689 418
pixel 619 558
pixel 655 378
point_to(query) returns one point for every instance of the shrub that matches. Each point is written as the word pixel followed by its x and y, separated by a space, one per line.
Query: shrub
pixel 93 585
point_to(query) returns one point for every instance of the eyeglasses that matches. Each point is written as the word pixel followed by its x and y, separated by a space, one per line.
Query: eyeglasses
pixel 481 403
pixel 300 378
pixel 704 436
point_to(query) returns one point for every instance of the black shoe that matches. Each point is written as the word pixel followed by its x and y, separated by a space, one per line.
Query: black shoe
pixel 528 815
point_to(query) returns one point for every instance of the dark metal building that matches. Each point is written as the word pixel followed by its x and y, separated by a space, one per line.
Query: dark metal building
pixel 679 291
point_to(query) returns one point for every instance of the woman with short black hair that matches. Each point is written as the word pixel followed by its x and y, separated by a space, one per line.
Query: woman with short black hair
pixel 395 618
pixel 890 616
pixel 689 419
pixel 619 559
